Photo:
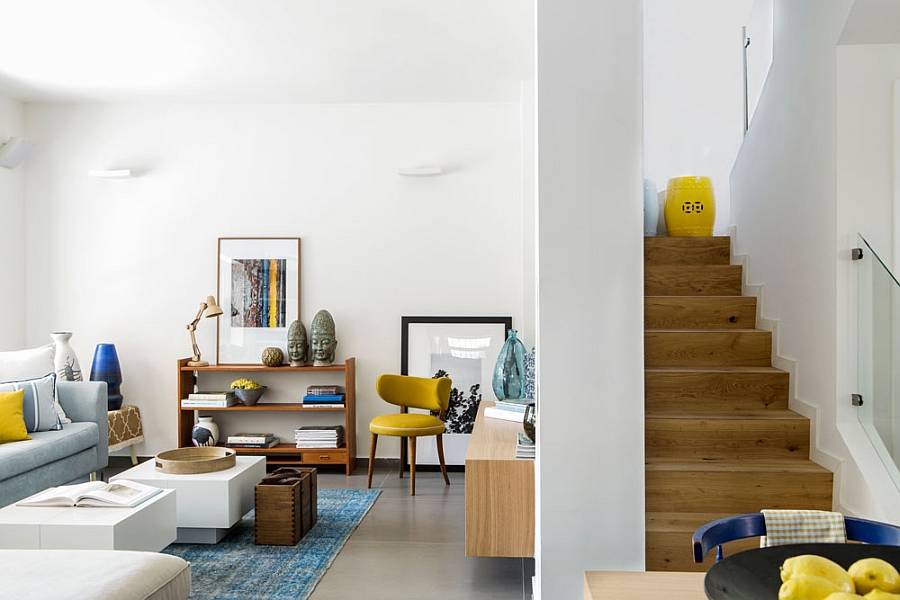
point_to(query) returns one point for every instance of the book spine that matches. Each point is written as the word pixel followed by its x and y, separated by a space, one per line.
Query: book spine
pixel 506 415
pixel 248 440
pixel 202 396
pixel 323 405
pixel 205 404
pixel 323 398
pixel 244 445
pixel 323 390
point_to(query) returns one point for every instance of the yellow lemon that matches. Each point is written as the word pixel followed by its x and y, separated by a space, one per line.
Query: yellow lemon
pixel 877 594
pixel 873 573
pixel 811 564
pixel 806 587
pixel 843 596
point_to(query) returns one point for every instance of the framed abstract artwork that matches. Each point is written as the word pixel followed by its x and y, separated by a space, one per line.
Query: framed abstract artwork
pixel 465 349
pixel 259 292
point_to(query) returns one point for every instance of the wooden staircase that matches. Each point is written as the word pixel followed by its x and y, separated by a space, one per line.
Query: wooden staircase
pixel 720 439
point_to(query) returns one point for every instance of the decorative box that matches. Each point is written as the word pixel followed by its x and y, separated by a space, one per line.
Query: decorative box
pixel 285 513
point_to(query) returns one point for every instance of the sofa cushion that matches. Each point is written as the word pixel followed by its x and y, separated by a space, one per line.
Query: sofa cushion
pixel 30 364
pixel 38 404
pixel 46 447
pixel 12 423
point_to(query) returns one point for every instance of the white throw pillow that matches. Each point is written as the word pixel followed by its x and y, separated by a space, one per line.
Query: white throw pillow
pixel 30 364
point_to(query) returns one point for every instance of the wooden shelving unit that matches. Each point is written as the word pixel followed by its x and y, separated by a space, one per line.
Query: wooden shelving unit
pixel 282 454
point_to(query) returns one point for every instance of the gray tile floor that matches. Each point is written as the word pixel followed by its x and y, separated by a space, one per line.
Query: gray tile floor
pixel 412 547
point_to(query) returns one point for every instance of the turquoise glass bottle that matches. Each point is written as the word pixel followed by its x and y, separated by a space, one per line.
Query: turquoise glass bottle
pixel 509 372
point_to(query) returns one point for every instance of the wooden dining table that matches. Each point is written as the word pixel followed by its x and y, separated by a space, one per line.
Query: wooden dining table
pixel 603 585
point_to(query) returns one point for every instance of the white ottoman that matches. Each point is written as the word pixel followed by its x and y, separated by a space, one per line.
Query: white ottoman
pixel 93 575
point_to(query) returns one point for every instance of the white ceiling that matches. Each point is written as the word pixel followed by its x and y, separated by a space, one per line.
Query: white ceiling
pixel 353 51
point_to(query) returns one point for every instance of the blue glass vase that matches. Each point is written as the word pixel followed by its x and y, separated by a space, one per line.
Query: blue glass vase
pixel 106 368
pixel 509 373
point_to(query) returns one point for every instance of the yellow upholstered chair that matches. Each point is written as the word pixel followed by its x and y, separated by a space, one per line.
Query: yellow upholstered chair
pixel 411 392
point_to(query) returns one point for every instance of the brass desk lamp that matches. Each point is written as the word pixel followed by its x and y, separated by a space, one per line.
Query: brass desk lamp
pixel 212 310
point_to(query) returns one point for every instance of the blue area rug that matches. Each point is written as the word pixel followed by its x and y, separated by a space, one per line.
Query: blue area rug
pixel 237 569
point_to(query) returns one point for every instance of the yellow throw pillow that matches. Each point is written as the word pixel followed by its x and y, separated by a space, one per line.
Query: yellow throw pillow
pixel 12 422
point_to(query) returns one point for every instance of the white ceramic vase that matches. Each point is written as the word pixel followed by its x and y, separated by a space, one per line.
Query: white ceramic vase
pixel 205 432
pixel 65 362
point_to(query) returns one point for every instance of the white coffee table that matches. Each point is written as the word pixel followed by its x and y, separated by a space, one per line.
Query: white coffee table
pixel 207 504
pixel 149 526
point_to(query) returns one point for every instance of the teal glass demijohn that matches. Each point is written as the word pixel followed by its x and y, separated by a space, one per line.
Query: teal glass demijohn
pixel 509 372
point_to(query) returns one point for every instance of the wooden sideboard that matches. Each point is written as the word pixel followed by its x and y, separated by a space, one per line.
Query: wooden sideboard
pixel 599 585
pixel 499 491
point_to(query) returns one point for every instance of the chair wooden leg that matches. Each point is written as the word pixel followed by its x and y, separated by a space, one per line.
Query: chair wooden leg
pixel 412 466
pixel 440 449
pixel 372 445
pixel 402 455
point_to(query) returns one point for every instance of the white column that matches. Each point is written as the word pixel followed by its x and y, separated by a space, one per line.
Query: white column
pixel 590 464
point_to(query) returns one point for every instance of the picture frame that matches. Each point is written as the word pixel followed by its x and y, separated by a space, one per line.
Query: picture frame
pixel 466 350
pixel 259 291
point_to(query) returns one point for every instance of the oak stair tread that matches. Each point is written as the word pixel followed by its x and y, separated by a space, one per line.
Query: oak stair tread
pixel 720 369
pixel 774 413
pixel 767 465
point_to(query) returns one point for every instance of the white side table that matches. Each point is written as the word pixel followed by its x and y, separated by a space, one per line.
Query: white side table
pixel 208 504
pixel 149 526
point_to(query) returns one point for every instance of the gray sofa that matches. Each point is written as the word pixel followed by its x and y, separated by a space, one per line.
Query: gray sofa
pixel 54 458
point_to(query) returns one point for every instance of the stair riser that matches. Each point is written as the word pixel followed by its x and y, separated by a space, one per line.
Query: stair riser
pixel 735 492
pixel 741 439
pixel 707 348
pixel 673 551
pixel 699 391
pixel 687 251
pixel 699 312
pixel 713 280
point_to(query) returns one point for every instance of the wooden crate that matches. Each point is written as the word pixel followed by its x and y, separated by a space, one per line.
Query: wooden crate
pixel 285 513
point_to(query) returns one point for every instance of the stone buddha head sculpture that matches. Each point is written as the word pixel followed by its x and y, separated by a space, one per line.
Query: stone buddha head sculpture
pixel 322 340
pixel 297 344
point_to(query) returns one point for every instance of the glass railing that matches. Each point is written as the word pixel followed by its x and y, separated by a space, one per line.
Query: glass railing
pixel 879 357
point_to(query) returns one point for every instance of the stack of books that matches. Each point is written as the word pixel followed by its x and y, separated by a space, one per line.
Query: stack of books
pixel 324 396
pixel 251 440
pixel 509 410
pixel 329 436
pixel 209 400
pixel 524 447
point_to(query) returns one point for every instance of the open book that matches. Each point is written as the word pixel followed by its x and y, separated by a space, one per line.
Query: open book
pixel 117 494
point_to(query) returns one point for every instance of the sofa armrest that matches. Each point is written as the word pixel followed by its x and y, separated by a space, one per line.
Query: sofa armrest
pixel 86 401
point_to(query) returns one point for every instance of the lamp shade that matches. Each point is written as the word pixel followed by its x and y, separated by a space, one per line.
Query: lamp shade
pixel 212 309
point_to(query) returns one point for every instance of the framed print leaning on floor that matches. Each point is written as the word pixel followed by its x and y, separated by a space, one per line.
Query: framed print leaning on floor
pixel 259 292
pixel 464 349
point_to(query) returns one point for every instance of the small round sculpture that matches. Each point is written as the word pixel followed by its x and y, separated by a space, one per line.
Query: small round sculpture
pixel 272 357
pixel 322 340
pixel 297 344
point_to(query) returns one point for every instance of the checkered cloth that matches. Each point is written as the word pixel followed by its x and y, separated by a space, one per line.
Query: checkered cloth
pixel 802 527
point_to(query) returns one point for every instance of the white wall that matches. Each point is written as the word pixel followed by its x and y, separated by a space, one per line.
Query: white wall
pixel 12 241
pixel 128 261
pixel 590 461
pixel 693 93
pixel 795 219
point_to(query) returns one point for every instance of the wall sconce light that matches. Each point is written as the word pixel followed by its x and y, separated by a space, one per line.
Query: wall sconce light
pixel 212 310
pixel 14 151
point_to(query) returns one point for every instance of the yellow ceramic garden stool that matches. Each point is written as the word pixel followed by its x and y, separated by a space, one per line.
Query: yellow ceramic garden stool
pixel 690 206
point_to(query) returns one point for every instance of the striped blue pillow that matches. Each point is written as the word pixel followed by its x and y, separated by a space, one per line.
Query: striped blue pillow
pixel 38 404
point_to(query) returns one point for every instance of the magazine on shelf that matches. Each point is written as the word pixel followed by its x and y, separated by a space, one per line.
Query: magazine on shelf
pixel 507 415
pixel 510 405
pixel 267 444
pixel 210 395
pixel 204 403
pixel 250 438
pixel 314 405
pixel 524 446
pixel 117 494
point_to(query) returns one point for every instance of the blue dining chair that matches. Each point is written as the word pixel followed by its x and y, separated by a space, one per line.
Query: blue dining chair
pixel 739 527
